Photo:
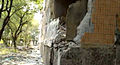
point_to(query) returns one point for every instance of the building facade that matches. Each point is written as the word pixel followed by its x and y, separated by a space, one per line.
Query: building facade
pixel 80 32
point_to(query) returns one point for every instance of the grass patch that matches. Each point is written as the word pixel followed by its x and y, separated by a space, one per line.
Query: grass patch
pixel 1 41
pixel 4 51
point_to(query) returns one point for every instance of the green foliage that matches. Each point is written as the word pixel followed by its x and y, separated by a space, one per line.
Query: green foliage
pixel 39 3
pixel 19 8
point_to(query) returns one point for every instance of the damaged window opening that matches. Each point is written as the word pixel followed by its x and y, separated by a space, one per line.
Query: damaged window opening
pixel 61 7
pixel 75 14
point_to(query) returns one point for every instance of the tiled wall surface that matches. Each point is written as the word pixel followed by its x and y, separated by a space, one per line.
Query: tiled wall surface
pixel 103 18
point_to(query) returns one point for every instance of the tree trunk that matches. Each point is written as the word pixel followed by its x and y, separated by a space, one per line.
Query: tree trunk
pixel 3 26
pixel 14 42
pixel 6 20
pixel 5 43
pixel 1 10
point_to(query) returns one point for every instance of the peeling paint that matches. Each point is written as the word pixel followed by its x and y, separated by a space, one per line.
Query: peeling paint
pixel 86 24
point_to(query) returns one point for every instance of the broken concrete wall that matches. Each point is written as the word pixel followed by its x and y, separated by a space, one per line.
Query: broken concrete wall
pixel 64 25
pixel 89 56
pixel 75 14
pixel 86 24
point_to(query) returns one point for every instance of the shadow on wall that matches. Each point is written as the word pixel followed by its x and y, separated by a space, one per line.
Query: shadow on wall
pixel 61 7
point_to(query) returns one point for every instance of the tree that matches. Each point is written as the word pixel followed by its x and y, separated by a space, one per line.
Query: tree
pixel 7 18
pixel 23 16
pixel 15 17
pixel 15 33
pixel 8 9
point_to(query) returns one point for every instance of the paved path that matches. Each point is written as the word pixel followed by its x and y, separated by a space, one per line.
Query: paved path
pixel 31 57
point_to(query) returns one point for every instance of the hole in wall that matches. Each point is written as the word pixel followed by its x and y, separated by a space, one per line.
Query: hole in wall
pixel 61 7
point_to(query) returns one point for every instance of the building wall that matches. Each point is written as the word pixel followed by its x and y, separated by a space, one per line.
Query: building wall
pixel 104 20
pixel 94 27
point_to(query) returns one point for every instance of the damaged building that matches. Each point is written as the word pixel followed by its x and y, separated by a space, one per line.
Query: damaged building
pixel 80 32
